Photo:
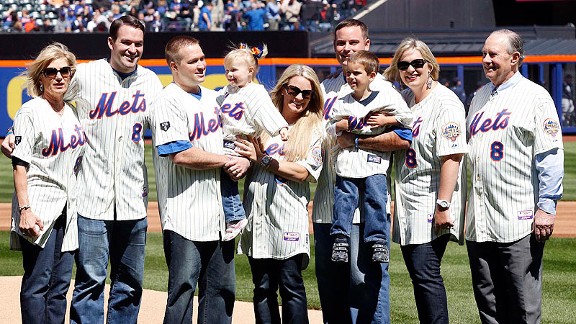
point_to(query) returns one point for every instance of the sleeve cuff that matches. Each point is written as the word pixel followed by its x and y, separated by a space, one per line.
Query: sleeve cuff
pixel 548 205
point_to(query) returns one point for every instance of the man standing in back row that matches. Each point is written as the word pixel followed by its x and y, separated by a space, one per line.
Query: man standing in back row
pixel 112 99
pixel 517 156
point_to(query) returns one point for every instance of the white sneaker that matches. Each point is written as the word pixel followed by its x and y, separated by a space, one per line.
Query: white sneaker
pixel 233 229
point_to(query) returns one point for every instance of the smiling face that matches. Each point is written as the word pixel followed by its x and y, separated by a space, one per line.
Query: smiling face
pixel 238 72
pixel 190 70
pixel 56 86
pixel 357 77
pixel 294 105
pixel 126 49
pixel 349 40
pixel 414 78
pixel 499 65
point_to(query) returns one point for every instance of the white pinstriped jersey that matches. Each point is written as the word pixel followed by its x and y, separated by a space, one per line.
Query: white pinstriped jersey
pixel 323 206
pixel 189 200
pixel 506 130
pixel 438 130
pixel 277 208
pixel 351 163
pixel 53 146
pixel 248 111
pixel 114 114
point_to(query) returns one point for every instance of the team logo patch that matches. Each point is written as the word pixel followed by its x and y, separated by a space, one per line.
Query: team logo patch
pixel 525 214
pixel 144 191
pixel 430 218
pixel 17 139
pixel 291 236
pixel 165 125
pixel 374 159
pixel 451 131
pixel 551 127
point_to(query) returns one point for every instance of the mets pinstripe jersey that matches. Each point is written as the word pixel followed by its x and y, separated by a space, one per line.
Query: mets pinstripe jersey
pixel 323 206
pixel 507 127
pixel 277 208
pixel 114 115
pixel 189 200
pixel 248 111
pixel 352 163
pixel 438 130
pixel 53 146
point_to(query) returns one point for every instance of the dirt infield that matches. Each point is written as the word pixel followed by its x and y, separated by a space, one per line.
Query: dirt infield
pixel 565 220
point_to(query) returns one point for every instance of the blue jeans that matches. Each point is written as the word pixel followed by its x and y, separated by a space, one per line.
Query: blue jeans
pixel 373 194
pixel 354 292
pixel 269 275
pixel 423 263
pixel 210 265
pixel 123 242
pixel 507 280
pixel 233 209
pixel 47 273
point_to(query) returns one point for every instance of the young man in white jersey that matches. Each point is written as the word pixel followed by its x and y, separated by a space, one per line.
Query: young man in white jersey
pixel 188 138
pixel 358 290
pixel 516 155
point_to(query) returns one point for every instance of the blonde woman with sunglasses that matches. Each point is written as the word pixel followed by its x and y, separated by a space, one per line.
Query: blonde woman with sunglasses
pixel 430 191
pixel 49 145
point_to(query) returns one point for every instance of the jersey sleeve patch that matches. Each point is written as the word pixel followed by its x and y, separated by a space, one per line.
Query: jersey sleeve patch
pixel 165 126
pixel 551 127
pixel 451 131
pixel 17 139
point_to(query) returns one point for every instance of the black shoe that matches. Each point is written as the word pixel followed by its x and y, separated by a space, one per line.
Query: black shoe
pixel 380 253
pixel 340 250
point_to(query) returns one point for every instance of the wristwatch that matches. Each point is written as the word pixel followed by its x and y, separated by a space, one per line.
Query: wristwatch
pixel 444 204
pixel 266 160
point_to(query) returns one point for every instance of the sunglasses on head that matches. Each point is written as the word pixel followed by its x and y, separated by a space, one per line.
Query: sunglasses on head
pixel 417 64
pixel 295 91
pixel 53 72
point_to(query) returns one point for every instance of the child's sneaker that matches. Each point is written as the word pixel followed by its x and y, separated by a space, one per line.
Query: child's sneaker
pixel 340 250
pixel 234 228
pixel 380 253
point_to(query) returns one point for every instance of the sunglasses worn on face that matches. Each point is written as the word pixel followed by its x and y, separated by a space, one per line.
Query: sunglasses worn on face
pixel 417 64
pixel 295 91
pixel 53 72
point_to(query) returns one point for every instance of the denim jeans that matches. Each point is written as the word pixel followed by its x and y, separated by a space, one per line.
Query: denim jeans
pixel 233 209
pixel 123 242
pixel 47 273
pixel 354 292
pixel 423 263
pixel 372 192
pixel 269 275
pixel 210 265
pixel 507 280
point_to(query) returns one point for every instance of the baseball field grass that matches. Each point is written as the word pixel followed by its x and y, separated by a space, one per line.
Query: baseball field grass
pixel 559 280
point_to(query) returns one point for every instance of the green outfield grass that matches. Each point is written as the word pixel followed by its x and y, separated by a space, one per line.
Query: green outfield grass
pixel 7 186
pixel 559 280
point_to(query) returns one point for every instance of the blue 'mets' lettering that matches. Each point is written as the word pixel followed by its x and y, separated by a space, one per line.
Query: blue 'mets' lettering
pixel 104 106
pixel 203 127
pixel 57 143
pixel 236 111
pixel 488 124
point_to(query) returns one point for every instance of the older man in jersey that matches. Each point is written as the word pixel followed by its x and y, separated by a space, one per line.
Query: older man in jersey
pixel 516 154
pixel 188 139
pixel 357 291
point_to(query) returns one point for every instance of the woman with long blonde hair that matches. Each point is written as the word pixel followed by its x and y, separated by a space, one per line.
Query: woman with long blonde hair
pixel 277 194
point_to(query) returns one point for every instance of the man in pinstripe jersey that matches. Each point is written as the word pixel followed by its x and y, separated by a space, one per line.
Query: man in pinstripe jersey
pixel 357 291
pixel 188 137
pixel 516 154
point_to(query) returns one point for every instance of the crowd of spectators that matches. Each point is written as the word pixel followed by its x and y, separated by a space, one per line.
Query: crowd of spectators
pixel 175 15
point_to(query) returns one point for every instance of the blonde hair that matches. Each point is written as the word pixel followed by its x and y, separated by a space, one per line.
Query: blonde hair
pixel 392 74
pixel 172 49
pixel 48 54
pixel 250 55
pixel 298 144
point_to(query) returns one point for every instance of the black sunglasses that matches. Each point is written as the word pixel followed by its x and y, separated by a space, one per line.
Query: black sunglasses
pixel 417 64
pixel 53 72
pixel 295 91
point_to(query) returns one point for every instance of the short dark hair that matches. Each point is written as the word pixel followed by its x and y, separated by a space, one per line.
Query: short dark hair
pixel 351 22
pixel 175 44
pixel 125 20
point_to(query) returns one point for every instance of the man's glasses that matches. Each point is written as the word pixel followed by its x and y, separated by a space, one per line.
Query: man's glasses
pixel 417 64
pixel 53 72
pixel 295 91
